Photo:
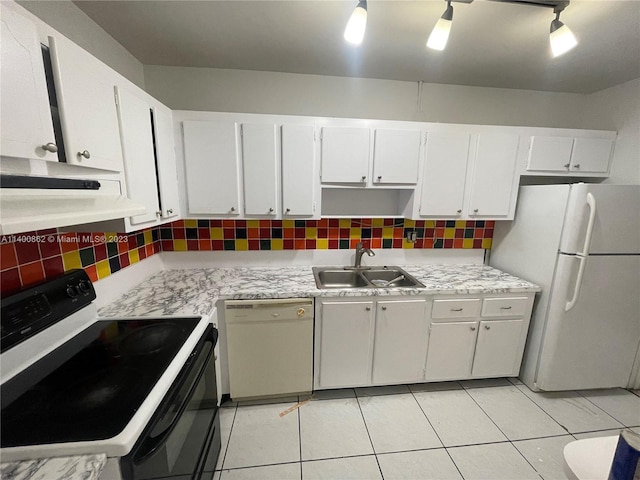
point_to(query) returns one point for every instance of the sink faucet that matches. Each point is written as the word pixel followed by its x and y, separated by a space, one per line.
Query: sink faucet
pixel 360 250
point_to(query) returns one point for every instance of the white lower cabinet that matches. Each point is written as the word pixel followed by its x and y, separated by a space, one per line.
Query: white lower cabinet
pixel 364 341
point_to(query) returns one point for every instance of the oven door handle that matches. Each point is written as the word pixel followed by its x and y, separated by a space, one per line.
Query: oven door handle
pixel 149 448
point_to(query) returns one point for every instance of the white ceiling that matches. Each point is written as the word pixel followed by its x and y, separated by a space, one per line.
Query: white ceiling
pixel 492 43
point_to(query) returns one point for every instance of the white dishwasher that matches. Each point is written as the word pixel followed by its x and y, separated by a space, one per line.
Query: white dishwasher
pixel 270 347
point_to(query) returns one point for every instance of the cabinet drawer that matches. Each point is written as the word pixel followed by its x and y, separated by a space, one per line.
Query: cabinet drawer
pixel 504 307
pixel 463 308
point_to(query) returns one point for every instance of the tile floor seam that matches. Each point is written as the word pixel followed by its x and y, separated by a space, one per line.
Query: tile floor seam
pixel 437 435
pixel 262 465
pixel 597 406
pixel 369 434
pixel 527 460
pixel 488 416
pixel 226 448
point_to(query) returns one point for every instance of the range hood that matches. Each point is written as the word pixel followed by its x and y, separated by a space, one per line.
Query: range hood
pixel 35 203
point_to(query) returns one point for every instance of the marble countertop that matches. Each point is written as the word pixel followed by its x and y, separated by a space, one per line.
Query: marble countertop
pixel 79 467
pixel 196 291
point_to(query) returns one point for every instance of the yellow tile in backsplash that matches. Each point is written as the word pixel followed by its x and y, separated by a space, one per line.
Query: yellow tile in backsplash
pixel 310 233
pixel 486 243
pixel 449 233
pixel 387 232
pixel 377 222
pixel 407 244
pixel 148 238
pixel 322 244
pixel 103 268
pixel 191 223
pixel 461 223
pixel 408 223
pixel 216 233
pixel 467 243
pixel 111 236
pixel 286 223
pixel 430 224
pixel 355 232
pixel 345 223
pixel 133 256
pixel 180 245
pixel 242 244
pixel 276 244
pixel 71 260
pixel 253 223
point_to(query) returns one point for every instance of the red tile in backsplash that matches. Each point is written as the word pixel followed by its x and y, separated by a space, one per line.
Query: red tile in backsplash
pixel 92 271
pixel 229 233
pixel 229 223
pixel 334 222
pixel 388 222
pixel 323 232
pixel 376 243
pixel 204 233
pixel 300 244
pixel 124 260
pixel 243 223
pixel 334 244
pixel 142 254
pixel 323 223
pixel 204 245
pixel 27 251
pixel 448 243
pixel 100 252
pixel 192 245
pixel 31 273
pixel 457 243
pixel 287 244
pixel 53 267
pixel 477 243
pixel 219 244
pixel 300 232
pixel 166 246
pixel 8 257
pixel 214 223
pixel 179 233
pixel 10 281
pixel 397 243
pixel 344 233
pixel 50 247
pixel 254 244
pixel 310 245
pixel 68 242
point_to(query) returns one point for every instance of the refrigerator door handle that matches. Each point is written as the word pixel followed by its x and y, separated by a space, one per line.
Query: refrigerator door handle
pixel 591 201
pixel 582 256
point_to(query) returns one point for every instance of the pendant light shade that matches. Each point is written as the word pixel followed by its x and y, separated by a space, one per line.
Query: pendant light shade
pixel 561 38
pixel 354 33
pixel 440 33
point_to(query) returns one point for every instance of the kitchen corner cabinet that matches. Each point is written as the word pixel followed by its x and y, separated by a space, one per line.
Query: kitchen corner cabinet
pixel 260 155
pixel 345 155
pixel 569 155
pixel 25 116
pixel 298 170
pixel 86 100
pixel 212 167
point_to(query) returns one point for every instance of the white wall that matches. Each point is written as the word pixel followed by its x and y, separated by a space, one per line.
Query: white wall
pixel 618 108
pixel 221 90
pixel 74 24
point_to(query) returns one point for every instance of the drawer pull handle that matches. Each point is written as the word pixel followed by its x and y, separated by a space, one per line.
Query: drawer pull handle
pixel 506 308
pixel 456 309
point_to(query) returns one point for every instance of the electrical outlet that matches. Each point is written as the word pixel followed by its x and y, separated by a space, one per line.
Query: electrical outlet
pixel 411 236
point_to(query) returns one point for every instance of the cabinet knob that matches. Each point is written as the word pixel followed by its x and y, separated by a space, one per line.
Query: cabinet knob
pixel 473 328
pixel 233 209
pixel 50 147
pixel 271 210
pixel 384 308
pixel 288 210
pixel 487 327
pixel 368 309
pixel 566 165
pixel 577 165
pixel 475 210
pixel 364 179
pixel 379 178
pixel 84 154
pixel 170 211
pixel 459 211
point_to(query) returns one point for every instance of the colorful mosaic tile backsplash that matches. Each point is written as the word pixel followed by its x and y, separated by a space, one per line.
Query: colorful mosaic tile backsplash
pixel 31 257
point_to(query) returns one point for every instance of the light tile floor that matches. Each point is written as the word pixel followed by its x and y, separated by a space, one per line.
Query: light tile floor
pixel 479 429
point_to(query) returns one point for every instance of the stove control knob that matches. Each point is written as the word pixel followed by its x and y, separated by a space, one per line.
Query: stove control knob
pixel 83 287
pixel 72 291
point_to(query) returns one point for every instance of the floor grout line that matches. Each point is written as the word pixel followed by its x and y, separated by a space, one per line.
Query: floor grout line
pixel 364 420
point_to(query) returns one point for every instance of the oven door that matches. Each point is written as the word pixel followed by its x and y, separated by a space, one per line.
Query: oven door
pixel 182 440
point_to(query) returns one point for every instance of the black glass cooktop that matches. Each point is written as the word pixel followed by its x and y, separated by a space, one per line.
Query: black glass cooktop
pixel 90 387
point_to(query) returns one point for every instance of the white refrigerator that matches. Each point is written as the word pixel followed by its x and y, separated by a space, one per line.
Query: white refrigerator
pixel 581 244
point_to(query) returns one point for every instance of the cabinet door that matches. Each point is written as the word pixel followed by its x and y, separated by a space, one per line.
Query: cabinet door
pixel 86 99
pixel 137 148
pixel 345 155
pixel 550 154
pixel 24 104
pixel 346 344
pixel 499 343
pixel 591 155
pixel 298 170
pixel 493 175
pixel 396 154
pixel 450 350
pixel 445 171
pixel 211 161
pixel 400 347
pixel 166 161
pixel 260 169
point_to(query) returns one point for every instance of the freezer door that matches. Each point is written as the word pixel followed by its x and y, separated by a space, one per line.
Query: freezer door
pixel 593 345
pixel 616 224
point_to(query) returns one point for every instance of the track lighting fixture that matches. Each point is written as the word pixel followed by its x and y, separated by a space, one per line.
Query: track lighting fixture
pixel 354 33
pixel 440 33
pixel 561 38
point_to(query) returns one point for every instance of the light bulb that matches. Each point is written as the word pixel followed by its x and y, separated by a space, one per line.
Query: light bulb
pixel 440 33
pixel 354 33
pixel 561 38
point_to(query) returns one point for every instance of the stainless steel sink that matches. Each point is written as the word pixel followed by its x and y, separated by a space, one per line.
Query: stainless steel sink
pixel 368 277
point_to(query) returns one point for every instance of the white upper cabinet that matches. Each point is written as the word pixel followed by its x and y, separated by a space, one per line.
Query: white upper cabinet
pixel 575 155
pixel 396 156
pixel 85 92
pixel 260 157
pixel 493 184
pixel 138 151
pixel 211 164
pixel 27 128
pixel 298 170
pixel 345 155
pixel 166 160
pixel 444 174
